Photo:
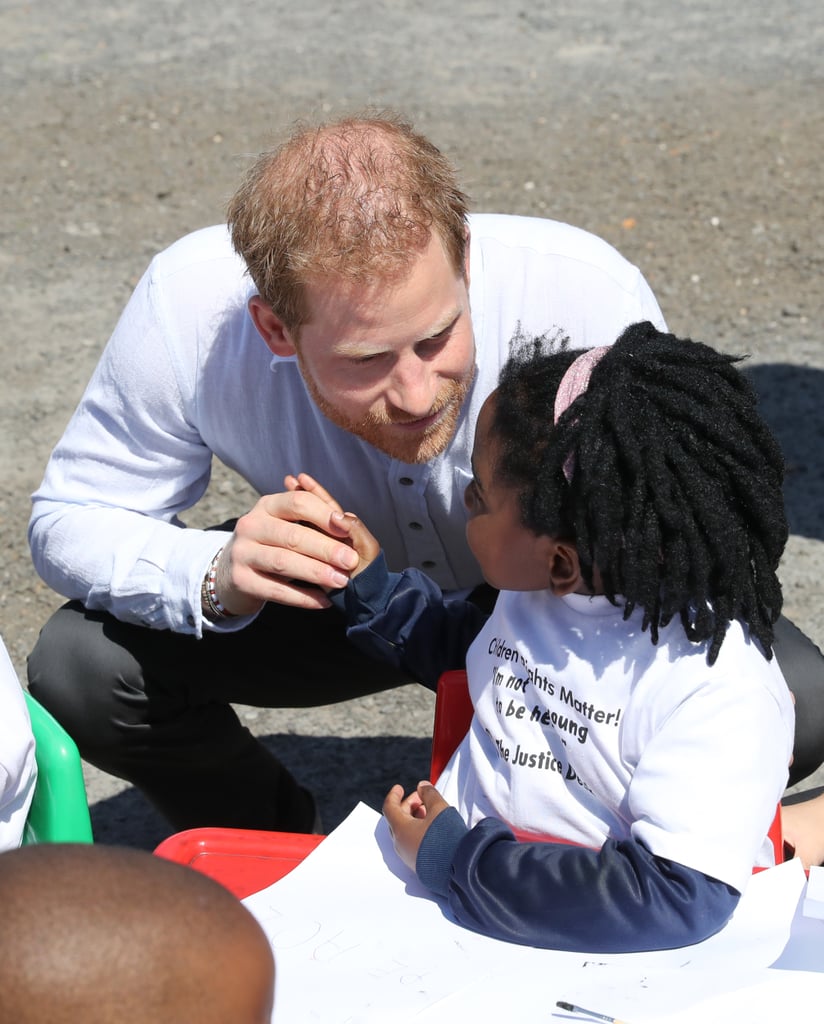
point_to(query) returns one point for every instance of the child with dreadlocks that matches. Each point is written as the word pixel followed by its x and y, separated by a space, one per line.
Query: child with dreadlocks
pixel 627 504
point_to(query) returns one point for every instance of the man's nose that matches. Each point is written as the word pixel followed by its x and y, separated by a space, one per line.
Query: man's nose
pixel 413 387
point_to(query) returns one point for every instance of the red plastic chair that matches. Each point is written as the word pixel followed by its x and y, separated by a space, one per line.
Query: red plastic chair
pixel 453 715
pixel 243 860
pixel 246 861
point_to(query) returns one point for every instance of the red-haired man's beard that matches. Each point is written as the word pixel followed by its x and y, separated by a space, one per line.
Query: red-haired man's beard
pixel 395 435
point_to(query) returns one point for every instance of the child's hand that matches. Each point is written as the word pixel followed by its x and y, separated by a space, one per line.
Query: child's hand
pixel 344 525
pixel 304 482
pixel 353 531
pixel 409 818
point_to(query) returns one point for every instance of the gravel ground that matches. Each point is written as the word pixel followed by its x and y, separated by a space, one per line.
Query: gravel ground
pixel 690 136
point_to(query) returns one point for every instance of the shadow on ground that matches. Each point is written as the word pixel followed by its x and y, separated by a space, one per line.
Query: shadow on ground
pixel 340 772
pixel 792 402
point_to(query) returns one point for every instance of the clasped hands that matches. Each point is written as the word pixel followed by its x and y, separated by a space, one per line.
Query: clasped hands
pixel 292 548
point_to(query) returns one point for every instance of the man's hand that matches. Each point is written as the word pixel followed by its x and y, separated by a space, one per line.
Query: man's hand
pixel 409 818
pixel 289 549
pixel 351 528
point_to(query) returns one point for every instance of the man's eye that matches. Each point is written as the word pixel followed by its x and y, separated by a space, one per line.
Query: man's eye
pixel 435 344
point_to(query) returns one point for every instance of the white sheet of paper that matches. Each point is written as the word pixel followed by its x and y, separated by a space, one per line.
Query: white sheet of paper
pixel 814 899
pixel 358 940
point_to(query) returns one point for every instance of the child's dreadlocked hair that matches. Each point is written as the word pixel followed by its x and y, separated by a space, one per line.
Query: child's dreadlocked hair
pixel 675 481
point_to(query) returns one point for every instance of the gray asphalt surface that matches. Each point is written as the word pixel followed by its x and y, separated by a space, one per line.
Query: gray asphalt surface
pixel 689 135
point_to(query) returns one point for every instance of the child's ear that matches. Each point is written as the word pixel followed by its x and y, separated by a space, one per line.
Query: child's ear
pixel 564 569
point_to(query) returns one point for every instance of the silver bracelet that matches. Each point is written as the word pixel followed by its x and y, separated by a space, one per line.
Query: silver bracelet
pixel 209 600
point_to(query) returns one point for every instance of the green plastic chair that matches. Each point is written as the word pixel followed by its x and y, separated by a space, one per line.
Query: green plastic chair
pixel 59 811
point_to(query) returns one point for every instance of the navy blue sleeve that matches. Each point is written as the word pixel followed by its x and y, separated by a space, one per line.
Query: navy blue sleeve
pixel 405 619
pixel 618 899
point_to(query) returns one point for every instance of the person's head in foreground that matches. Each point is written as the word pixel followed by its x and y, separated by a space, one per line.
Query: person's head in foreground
pixel 355 235
pixel 107 935
pixel 647 476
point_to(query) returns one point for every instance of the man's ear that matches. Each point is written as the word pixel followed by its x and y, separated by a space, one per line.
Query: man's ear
pixel 564 569
pixel 271 328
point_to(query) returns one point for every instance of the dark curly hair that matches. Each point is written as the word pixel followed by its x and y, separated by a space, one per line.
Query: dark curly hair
pixel 675 492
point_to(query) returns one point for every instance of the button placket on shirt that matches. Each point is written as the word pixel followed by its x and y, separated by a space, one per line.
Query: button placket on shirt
pixel 408 485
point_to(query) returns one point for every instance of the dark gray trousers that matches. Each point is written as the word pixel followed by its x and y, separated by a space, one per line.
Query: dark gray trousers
pixel 153 707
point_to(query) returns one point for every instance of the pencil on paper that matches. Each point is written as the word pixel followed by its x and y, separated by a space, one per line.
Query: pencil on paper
pixel 571 1008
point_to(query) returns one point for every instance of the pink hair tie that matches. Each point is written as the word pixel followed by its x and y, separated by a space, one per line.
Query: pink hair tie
pixel 574 383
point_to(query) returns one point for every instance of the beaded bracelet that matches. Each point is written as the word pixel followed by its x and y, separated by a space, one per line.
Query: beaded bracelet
pixel 208 593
